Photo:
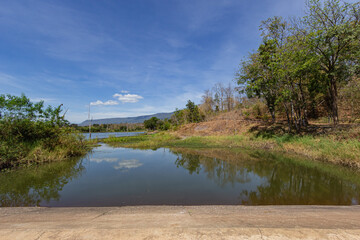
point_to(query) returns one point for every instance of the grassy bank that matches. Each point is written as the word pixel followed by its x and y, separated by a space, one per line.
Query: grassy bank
pixel 63 146
pixel 344 152
pixel 32 133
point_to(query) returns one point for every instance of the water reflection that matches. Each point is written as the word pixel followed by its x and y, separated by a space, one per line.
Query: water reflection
pixel 118 176
pixel 33 185
pixel 99 160
pixel 220 171
pixel 284 181
pixel 128 164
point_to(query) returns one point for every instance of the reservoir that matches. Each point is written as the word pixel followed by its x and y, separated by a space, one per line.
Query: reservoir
pixel 126 177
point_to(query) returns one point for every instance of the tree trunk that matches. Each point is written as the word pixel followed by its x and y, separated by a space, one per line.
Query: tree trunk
pixel 287 117
pixel 272 113
pixel 333 100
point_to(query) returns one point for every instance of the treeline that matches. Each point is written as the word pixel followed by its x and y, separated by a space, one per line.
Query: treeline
pixel 191 114
pixel 307 67
pixel 123 127
pixel 33 133
pixel 155 123
pixel 219 98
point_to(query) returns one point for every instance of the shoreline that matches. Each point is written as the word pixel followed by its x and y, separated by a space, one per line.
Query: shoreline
pixel 324 149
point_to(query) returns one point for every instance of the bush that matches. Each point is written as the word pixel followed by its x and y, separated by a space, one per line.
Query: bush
pixel 151 123
pixel 31 133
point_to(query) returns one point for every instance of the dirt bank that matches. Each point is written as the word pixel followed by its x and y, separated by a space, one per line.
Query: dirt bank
pixel 179 222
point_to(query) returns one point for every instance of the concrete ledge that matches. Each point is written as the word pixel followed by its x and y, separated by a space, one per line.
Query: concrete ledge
pixel 182 222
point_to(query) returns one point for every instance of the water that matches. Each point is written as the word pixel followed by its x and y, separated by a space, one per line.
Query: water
pixel 119 176
pixel 101 135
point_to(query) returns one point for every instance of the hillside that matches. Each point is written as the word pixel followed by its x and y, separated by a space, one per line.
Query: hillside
pixel 139 119
pixel 234 123
pixel 224 124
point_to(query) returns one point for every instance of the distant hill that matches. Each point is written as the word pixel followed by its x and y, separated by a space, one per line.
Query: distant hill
pixel 139 119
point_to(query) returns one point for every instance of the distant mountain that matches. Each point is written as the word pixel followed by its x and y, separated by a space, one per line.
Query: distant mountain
pixel 139 119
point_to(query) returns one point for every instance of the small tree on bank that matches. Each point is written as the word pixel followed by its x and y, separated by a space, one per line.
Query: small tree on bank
pixel 194 115
pixel 151 123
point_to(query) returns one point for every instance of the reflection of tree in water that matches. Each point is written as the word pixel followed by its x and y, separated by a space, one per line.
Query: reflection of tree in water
pixel 31 186
pixel 222 172
pixel 283 181
pixel 290 183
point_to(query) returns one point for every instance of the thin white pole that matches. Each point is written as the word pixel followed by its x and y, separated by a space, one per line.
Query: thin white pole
pixel 89 122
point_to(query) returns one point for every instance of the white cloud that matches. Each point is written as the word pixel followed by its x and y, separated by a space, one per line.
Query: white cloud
pixel 124 91
pixel 128 98
pixel 101 103
pixel 128 164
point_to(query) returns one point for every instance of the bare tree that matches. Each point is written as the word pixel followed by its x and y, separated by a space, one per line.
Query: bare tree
pixel 229 97
pixel 207 102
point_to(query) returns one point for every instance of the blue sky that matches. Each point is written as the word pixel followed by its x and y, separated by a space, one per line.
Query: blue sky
pixel 127 58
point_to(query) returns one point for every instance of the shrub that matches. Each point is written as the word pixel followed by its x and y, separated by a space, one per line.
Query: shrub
pixel 29 131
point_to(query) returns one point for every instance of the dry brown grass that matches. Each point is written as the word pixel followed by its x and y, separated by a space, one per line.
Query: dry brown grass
pixel 228 123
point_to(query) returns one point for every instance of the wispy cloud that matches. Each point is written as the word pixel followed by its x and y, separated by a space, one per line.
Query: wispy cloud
pixel 128 98
pixel 107 103
pixel 9 80
pixel 62 30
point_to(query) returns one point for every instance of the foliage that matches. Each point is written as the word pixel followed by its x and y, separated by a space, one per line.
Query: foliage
pixel 157 124
pixel 14 108
pixel 179 117
pixel 194 115
pixel 301 64
pixel 191 114
pixel 333 32
pixel 29 131
pixel 152 123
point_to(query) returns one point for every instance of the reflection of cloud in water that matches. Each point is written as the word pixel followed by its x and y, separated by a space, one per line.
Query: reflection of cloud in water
pixel 128 164
pixel 99 160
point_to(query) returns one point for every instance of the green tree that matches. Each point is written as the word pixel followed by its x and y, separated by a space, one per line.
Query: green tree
pixel 300 65
pixel 194 115
pixel 333 32
pixel 257 75
pixel 178 118
pixel 26 126
pixel 151 123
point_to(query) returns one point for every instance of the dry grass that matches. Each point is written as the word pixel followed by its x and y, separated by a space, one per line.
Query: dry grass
pixel 216 127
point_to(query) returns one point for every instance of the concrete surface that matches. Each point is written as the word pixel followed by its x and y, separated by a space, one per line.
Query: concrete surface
pixel 182 222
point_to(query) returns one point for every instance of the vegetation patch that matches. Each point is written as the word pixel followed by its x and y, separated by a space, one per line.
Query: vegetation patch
pixel 32 134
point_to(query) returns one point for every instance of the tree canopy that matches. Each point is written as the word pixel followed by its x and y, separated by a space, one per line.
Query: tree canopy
pixel 302 63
